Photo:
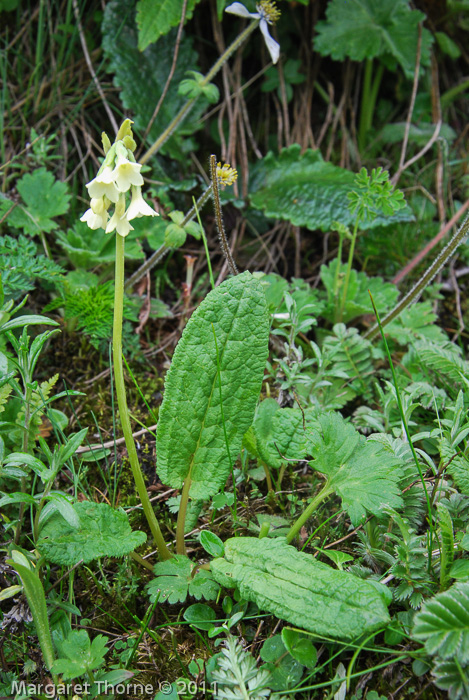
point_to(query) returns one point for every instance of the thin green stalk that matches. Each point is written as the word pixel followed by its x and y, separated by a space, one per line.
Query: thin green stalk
pixel 184 111
pixel 349 268
pixel 204 238
pixel 406 428
pixel 425 280
pixel 306 514
pixel 122 402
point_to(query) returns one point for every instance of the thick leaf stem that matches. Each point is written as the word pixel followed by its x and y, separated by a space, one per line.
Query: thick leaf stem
pixel 424 281
pixel 122 401
pixel 185 109
pixel 307 513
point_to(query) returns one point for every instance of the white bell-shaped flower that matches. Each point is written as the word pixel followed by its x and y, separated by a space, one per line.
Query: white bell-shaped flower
pixel 103 185
pixel 126 174
pixel 118 220
pixel 138 207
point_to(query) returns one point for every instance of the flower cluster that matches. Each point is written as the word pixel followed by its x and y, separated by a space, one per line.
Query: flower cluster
pixel 118 175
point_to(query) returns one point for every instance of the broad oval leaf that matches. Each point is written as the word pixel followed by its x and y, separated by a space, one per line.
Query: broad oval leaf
pixel 190 440
pixel 295 587
pixel 156 17
pixel 103 531
pixel 308 191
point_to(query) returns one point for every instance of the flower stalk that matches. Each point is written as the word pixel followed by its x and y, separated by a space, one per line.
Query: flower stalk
pixel 122 402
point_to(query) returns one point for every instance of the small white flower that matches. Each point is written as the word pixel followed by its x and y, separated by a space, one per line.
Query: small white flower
pixel 94 220
pixel 138 207
pixel 267 14
pixel 103 185
pixel 119 220
pixel 126 174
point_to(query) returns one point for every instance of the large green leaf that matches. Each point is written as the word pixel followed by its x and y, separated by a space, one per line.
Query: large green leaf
pixel 363 29
pixel 156 17
pixel 363 473
pixel 295 587
pixel 141 76
pixel 443 624
pixel 103 531
pixel 306 190
pixel 190 438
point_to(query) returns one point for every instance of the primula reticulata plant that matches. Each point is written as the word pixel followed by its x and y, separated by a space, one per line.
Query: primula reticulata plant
pixel 287 509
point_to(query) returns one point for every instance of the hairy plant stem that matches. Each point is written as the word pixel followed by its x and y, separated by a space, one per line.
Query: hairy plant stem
pixel 184 111
pixel 219 218
pixel 306 514
pixel 425 280
pixel 163 551
pixel 162 250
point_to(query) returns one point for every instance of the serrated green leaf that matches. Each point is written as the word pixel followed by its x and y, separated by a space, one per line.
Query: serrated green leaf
pixel 103 531
pixel 363 29
pixel 156 17
pixel 80 655
pixel 190 439
pixel 295 587
pixel 43 198
pixel 363 473
pixel 452 677
pixel 203 586
pixel 443 624
pixel 174 582
pixel 306 190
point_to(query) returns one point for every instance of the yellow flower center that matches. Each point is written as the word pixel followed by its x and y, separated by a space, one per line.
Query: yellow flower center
pixel 226 174
pixel 268 9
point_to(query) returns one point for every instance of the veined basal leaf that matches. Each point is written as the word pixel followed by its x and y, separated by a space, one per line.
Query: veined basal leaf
pixel 295 587
pixel 190 438
pixel 308 191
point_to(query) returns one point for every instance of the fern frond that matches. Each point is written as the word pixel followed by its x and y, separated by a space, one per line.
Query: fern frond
pixel 350 355
pixel 237 676
pixel 445 360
